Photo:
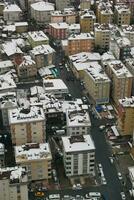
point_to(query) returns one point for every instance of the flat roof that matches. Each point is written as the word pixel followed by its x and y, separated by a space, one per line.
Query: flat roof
pixel 86 144
pixel 54 84
pixel 12 8
pixel 61 25
pixel 42 6
pixel 42 49
pixel 6 63
pixel 127 102
pixel 81 36
pixel 7 82
pixel 38 35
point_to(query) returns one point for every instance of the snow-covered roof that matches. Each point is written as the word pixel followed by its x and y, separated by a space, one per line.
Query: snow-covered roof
pixel 78 143
pixel 32 151
pixel 21 24
pixel 42 6
pixel 81 36
pixel 119 69
pixel 107 56
pixel 35 90
pixel 123 41
pixel 127 102
pixel 10 48
pixel 6 64
pixel 102 27
pixel 74 26
pixel 10 28
pixel 88 14
pixel 6 82
pixel 27 60
pixel 61 25
pixel 12 8
pixel 123 8
pixel 38 36
pixel 42 49
pixel 26 114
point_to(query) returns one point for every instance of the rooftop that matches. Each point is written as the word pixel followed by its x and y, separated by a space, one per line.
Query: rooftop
pixel 88 14
pixel 42 49
pixel 12 8
pixel 102 27
pixel 81 36
pixel 6 82
pixel 26 114
pixel 32 151
pixel 123 8
pixel 128 28
pixel 6 64
pixel 127 102
pixel 38 36
pixel 78 143
pixel 61 25
pixel 43 6
pixel 54 85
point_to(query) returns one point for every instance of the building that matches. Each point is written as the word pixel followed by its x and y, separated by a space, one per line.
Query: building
pixel 2 155
pixel 97 83
pixel 78 155
pixel 102 36
pixel 121 80
pixel 27 124
pixel 58 30
pixel 85 4
pixel 55 86
pixel 73 29
pixel 128 30
pixel 131 175
pixel 120 47
pixel 130 65
pixel 104 13
pixel 13 183
pixel 21 27
pixel 87 20
pixel 41 12
pixel 43 55
pixel 5 66
pixel 36 38
pixel 84 42
pixel 12 13
pixel 36 158
pixel 7 101
pixel 77 122
pixel 27 68
pixel 7 83
pixel 122 15
pixel 68 16
pixel 61 4
pixel 126 116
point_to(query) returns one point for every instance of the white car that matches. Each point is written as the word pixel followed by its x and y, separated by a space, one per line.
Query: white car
pixel 111 160
pixel 119 176
pixel 123 195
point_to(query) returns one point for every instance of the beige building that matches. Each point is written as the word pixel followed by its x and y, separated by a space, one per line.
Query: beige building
pixel 79 43
pixel 61 4
pixel 121 80
pixel 13 183
pixel 21 27
pixel 104 13
pixel 36 38
pixel 85 4
pixel 36 158
pixel 87 20
pixel 102 35
pixel 97 83
pixel 27 124
pixel 126 116
pixel 122 15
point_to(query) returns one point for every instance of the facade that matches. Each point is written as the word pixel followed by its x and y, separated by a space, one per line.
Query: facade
pixel 58 30
pixel 85 4
pixel 41 12
pixel 84 42
pixel 78 122
pixel 36 38
pixel 8 101
pixel 27 68
pixel 97 83
pixel 102 35
pixel 36 158
pixel 27 125
pixel 121 80
pixel 43 55
pixel 12 13
pixel 2 155
pixel 73 29
pixel 67 16
pixel 78 155
pixel 104 13
pixel 21 27
pixel 87 20
pixel 130 65
pixel 126 116
pixel 122 15
pixel 128 30
pixel 13 183
pixel 61 4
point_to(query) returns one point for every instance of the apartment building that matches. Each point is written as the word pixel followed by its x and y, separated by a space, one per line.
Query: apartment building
pixel 2 155
pixel 43 55
pixel 36 158
pixel 6 66
pixel 128 30
pixel 77 122
pixel 41 12
pixel 120 47
pixel 68 16
pixel 126 116
pixel 36 38
pixel 58 30
pixel 87 20
pixel 27 68
pixel 104 13
pixel 121 80
pixel 13 183
pixel 12 13
pixel 85 4
pixel 102 35
pixel 84 42
pixel 130 65
pixel 7 83
pixel 21 27
pixel 97 83
pixel 122 15
pixel 73 29
pixel 61 4
pixel 8 101
pixel 27 124
pixel 78 155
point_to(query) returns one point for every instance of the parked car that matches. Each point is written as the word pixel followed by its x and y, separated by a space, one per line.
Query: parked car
pixel 119 176
pixel 123 195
